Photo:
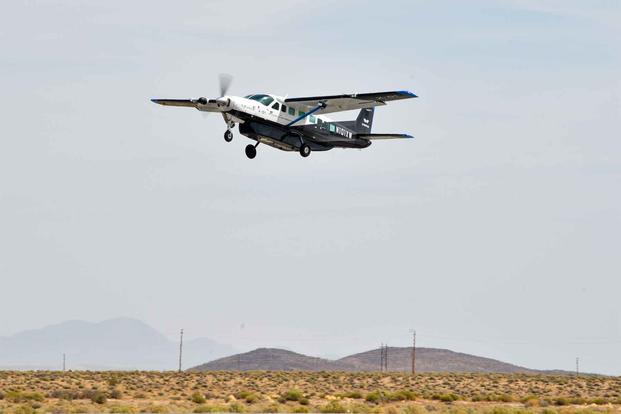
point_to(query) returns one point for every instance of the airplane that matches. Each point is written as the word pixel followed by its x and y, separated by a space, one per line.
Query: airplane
pixel 296 124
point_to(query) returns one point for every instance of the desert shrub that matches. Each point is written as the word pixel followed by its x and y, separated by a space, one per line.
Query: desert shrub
pixel 113 381
pixel 197 398
pixel 98 397
pixel 373 397
pixel 403 395
pixel 300 409
pixel 448 398
pixel 68 395
pixel 333 407
pixel 142 395
pixel 412 409
pixel 24 409
pixel 293 395
pixel 122 409
pixel 357 395
pixel 1 395
pixel 116 394
pixel 208 409
pixel 19 397
pixel 236 408
pixel 154 409
pixel 272 408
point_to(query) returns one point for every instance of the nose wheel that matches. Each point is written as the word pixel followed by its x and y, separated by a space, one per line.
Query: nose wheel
pixel 251 151
pixel 305 150
pixel 228 136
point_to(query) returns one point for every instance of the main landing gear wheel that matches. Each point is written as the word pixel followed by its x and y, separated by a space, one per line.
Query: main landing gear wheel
pixel 228 136
pixel 305 150
pixel 251 151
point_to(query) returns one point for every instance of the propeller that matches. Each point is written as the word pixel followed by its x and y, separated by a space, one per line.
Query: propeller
pixel 225 81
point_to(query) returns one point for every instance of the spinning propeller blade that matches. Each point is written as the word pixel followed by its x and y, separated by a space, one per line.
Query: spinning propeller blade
pixel 225 83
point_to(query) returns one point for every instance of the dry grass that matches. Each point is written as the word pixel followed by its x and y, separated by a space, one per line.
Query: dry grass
pixel 168 392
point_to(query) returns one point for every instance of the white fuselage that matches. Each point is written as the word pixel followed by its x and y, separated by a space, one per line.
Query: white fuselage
pixel 275 111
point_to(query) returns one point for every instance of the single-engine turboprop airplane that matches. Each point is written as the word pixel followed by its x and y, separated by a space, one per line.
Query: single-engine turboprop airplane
pixel 296 124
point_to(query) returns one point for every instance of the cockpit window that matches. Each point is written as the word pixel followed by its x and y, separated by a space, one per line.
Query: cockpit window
pixel 264 99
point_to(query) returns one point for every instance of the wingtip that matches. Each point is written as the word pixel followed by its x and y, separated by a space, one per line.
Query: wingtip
pixel 408 93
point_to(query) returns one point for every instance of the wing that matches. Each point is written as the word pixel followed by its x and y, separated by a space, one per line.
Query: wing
pixel 175 102
pixel 383 136
pixel 201 104
pixel 336 103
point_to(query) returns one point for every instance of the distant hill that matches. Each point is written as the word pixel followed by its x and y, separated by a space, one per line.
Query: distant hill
pixel 121 343
pixel 399 359
pixel 429 360
pixel 272 359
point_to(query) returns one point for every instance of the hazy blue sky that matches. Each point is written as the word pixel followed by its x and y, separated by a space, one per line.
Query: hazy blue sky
pixel 496 231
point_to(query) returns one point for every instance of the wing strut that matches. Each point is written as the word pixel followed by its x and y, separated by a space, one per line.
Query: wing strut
pixel 312 111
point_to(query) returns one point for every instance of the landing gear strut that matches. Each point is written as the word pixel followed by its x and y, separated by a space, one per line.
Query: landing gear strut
pixel 228 135
pixel 305 150
pixel 251 151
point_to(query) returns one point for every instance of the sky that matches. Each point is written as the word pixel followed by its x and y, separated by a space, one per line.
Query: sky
pixel 496 231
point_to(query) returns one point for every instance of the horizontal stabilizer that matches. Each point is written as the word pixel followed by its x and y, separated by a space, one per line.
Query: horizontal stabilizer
pixel 383 136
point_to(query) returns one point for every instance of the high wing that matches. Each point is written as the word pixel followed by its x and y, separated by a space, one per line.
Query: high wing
pixel 201 104
pixel 336 103
pixel 383 136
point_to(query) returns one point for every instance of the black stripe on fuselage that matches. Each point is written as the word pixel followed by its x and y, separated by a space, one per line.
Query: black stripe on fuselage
pixel 318 136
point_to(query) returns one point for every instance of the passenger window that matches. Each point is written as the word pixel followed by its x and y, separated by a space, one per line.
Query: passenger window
pixel 312 119
pixel 302 113
pixel 319 121
pixel 284 108
pixel 332 128
pixel 276 106
pixel 291 111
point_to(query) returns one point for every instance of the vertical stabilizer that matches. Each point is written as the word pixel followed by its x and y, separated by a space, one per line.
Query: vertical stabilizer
pixel 364 121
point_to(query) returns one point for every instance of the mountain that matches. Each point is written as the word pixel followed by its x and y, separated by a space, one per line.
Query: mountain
pixel 121 343
pixel 399 359
pixel 272 359
pixel 429 360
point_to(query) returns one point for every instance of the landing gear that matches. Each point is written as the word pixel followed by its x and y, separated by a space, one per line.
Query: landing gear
pixel 305 150
pixel 251 151
pixel 228 136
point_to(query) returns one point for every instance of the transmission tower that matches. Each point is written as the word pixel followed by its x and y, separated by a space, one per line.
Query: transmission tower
pixel 413 352
pixel 180 349
pixel 577 366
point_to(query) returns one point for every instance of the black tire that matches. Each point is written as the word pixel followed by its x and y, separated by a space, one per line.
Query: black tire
pixel 228 136
pixel 251 151
pixel 305 150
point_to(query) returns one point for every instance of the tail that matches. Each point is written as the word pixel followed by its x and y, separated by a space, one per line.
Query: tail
pixel 364 122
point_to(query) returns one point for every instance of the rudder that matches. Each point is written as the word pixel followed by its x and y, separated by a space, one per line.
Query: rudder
pixel 364 122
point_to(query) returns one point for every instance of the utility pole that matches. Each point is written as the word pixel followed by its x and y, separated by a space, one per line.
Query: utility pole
pixel 381 357
pixel 577 366
pixel 413 351
pixel 386 358
pixel 180 349
pixel 64 360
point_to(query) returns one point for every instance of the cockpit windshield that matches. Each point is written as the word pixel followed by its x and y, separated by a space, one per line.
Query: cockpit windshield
pixel 264 99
